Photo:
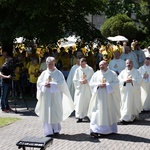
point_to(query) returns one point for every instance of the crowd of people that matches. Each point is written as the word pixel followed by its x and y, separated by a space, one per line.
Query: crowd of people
pixel 108 84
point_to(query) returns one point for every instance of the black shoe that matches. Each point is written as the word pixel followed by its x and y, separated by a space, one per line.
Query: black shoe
pixel 49 135
pixel 122 122
pixel 79 120
pixel 95 135
pixel 5 111
pixel 56 135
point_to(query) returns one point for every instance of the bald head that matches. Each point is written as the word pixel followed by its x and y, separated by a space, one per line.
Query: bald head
pixel 129 64
pixel 103 65
pixel 147 61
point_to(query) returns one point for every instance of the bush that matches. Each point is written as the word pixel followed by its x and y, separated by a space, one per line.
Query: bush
pixel 120 24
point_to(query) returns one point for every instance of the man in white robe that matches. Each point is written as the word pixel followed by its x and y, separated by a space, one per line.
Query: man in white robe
pixel 145 88
pixel 147 52
pixel 130 83
pixel 128 54
pixel 117 64
pixel 82 94
pixel 104 108
pixel 54 100
pixel 70 78
pixel 140 55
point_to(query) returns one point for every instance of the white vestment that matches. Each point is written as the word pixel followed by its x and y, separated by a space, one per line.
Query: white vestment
pixel 104 108
pixel 70 80
pixel 131 104
pixel 82 91
pixel 55 103
pixel 132 56
pixel 147 53
pixel 140 57
pixel 117 65
pixel 145 88
pixel 43 66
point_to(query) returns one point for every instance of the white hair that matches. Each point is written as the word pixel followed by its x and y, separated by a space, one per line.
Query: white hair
pixel 49 59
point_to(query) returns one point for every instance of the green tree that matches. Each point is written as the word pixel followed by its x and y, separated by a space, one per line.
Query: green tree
pixel 119 25
pixel 143 15
pixel 139 8
pixel 113 8
pixel 47 20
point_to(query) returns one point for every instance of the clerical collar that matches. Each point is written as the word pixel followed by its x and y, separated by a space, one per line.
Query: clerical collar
pixel 128 71
pixel 116 59
pixel 50 71
pixel 103 72
pixel 84 68
pixel 146 66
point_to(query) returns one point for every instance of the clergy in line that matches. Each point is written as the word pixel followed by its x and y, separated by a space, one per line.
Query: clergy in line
pixel 70 82
pixel 117 64
pixel 54 100
pixel 130 87
pixel 82 94
pixel 128 54
pixel 104 108
pixel 145 88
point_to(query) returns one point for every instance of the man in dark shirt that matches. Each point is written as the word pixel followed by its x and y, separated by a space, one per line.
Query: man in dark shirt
pixel 5 85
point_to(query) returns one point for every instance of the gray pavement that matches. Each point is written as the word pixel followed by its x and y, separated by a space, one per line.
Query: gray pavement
pixel 73 136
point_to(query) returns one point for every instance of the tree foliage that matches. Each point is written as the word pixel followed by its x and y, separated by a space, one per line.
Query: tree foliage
pixel 138 10
pixel 47 20
pixel 143 15
pixel 113 8
pixel 119 25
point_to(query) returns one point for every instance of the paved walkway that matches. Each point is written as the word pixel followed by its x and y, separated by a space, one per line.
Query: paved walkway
pixel 74 136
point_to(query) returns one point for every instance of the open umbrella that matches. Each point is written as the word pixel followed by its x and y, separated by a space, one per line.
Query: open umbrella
pixel 110 38
pixel 118 38
pixel 69 41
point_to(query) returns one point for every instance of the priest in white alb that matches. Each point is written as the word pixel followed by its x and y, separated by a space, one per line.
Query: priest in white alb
pixel 104 108
pixel 117 64
pixel 70 78
pixel 128 54
pixel 145 88
pixel 130 87
pixel 82 94
pixel 54 100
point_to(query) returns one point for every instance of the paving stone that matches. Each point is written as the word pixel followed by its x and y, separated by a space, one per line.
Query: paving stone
pixel 74 136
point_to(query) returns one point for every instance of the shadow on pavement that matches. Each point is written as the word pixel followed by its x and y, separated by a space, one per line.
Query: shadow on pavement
pixel 141 122
pixel 26 113
pixel 127 137
pixel 24 107
pixel 82 137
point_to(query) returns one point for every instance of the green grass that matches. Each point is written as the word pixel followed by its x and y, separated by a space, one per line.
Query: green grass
pixel 7 120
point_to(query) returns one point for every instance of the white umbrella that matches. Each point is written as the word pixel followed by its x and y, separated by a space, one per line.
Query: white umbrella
pixel 19 40
pixel 110 38
pixel 120 38
pixel 117 38
pixel 69 41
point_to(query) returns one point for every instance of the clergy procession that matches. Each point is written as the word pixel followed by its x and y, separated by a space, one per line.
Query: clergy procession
pixel 103 85
pixel 113 94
